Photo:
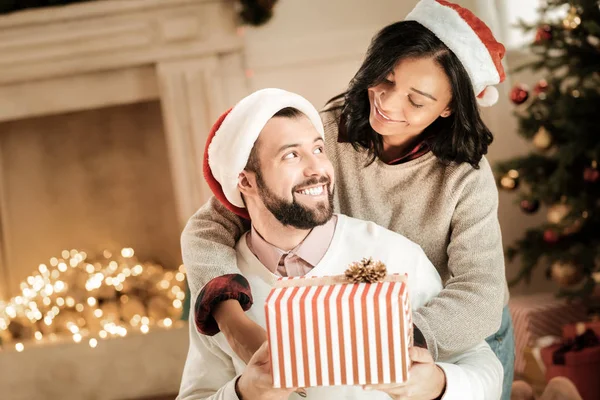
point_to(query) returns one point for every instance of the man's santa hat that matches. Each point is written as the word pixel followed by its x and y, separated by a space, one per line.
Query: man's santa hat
pixel 470 39
pixel 232 138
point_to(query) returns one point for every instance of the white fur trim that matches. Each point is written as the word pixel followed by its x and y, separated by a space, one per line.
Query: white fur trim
pixel 456 33
pixel 231 146
pixel 489 98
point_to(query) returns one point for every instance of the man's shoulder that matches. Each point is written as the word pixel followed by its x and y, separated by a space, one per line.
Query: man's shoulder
pixel 363 230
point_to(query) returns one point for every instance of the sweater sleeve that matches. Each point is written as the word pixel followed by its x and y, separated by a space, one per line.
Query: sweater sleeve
pixel 473 295
pixel 475 374
pixel 209 373
pixel 208 249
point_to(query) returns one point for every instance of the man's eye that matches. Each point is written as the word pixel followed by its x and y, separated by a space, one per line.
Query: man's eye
pixel 318 150
pixel 289 156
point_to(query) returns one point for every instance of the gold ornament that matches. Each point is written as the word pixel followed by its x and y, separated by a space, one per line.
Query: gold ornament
pixel 366 270
pixel 542 139
pixel 572 20
pixel 510 181
pixel 558 212
pixel 565 273
pixel 593 41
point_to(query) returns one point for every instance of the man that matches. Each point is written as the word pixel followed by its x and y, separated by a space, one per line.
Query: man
pixel 266 159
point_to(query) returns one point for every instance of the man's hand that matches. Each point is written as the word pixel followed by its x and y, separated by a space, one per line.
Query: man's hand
pixel 427 381
pixel 243 335
pixel 256 382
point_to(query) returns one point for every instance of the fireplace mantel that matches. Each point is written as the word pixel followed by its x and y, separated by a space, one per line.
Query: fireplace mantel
pixel 185 53
pixel 112 34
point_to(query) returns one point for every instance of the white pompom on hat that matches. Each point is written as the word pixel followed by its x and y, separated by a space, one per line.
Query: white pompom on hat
pixel 232 138
pixel 470 39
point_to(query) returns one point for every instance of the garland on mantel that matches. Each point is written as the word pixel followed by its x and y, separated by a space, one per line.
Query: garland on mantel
pixel 253 12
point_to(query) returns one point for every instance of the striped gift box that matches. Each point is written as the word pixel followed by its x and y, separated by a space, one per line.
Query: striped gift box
pixel 324 331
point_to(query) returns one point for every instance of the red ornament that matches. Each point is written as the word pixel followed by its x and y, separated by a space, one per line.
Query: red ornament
pixel 591 175
pixel 530 206
pixel 541 87
pixel 550 236
pixel 543 33
pixel 519 94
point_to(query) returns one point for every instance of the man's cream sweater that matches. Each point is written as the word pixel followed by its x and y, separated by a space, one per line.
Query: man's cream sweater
pixel 212 367
pixel 449 210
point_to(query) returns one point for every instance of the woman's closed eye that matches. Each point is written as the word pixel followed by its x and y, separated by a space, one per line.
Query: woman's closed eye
pixel 413 103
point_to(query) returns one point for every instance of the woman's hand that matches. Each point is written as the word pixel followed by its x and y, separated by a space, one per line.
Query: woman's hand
pixel 427 381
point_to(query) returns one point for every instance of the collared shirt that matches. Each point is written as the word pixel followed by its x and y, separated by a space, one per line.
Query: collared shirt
pixel 420 149
pixel 298 261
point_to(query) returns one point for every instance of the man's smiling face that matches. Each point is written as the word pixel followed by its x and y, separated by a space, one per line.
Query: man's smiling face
pixel 294 178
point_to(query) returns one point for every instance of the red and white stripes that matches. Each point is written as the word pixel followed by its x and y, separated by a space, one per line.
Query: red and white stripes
pixel 338 334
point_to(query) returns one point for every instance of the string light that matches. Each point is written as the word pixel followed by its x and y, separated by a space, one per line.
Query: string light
pixel 92 300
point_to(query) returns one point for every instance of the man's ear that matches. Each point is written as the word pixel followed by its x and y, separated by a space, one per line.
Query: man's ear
pixel 247 183
pixel 446 113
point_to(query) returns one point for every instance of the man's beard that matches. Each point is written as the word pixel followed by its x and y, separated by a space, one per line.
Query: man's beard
pixel 293 213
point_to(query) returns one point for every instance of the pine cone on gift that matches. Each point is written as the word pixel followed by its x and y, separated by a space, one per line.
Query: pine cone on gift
pixel 367 271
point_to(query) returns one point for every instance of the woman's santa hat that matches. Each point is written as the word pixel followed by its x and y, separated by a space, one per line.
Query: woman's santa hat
pixel 470 39
pixel 232 138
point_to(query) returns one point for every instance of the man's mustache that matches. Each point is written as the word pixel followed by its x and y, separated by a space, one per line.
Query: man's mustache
pixel 311 182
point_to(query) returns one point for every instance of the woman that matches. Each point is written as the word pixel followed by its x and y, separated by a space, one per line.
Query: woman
pixel 407 144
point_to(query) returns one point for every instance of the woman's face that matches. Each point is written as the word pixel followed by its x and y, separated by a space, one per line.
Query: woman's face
pixel 414 94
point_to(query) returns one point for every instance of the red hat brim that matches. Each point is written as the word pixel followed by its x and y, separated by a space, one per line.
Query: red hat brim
pixel 214 185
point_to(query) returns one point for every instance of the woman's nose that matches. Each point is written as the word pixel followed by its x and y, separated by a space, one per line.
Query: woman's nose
pixel 391 103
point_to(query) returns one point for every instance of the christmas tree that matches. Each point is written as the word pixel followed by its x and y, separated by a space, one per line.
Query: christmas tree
pixel 561 117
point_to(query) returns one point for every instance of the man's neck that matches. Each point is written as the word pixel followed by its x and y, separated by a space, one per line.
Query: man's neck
pixel 283 237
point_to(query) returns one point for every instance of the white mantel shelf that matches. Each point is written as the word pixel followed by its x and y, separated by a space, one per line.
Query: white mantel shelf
pixel 110 34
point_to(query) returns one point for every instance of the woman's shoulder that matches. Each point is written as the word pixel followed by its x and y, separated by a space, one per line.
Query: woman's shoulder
pixel 463 177
pixel 330 115
pixel 331 112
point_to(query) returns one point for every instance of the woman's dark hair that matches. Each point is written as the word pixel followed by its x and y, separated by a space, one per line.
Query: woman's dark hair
pixel 461 137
